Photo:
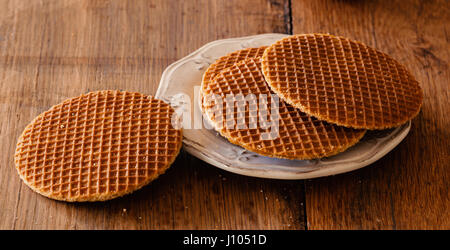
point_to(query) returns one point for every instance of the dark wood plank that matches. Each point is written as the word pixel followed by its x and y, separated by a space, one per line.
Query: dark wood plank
pixel 408 188
pixel 55 49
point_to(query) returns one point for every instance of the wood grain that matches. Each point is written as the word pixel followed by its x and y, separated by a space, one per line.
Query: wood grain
pixel 55 49
pixel 407 189
pixel 51 50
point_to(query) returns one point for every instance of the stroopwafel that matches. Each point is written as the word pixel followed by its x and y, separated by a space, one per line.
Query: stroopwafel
pixel 341 81
pixel 97 146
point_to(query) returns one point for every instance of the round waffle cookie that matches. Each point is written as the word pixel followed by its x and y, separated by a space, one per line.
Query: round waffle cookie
pixel 341 81
pixel 298 135
pixel 97 146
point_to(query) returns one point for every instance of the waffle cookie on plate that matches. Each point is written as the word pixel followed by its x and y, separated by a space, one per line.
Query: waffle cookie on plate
pixel 299 135
pixel 341 81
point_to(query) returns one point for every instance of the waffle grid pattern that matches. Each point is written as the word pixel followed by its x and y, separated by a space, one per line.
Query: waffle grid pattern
pixel 300 135
pixel 97 146
pixel 229 60
pixel 341 81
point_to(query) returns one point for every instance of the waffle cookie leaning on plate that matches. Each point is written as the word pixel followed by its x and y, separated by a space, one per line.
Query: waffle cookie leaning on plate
pixel 299 136
pixel 341 81
pixel 98 146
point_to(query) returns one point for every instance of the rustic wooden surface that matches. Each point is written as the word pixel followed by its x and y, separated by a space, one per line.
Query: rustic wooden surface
pixel 54 49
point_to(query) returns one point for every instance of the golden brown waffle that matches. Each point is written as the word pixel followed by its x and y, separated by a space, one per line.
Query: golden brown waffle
pixel 341 81
pixel 228 61
pixel 97 146
pixel 300 135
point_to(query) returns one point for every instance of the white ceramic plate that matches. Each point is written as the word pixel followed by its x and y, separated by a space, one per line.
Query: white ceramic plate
pixel 177 87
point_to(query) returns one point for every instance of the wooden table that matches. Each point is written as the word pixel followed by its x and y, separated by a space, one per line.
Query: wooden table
pixel 51 50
